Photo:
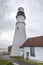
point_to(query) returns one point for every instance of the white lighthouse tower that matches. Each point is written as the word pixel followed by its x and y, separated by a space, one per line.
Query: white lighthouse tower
pixel 20 33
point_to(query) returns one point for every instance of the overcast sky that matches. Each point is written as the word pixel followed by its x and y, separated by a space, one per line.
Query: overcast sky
pixel 34 19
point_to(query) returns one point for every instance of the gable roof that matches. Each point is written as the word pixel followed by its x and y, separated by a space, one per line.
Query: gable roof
pixel 36 41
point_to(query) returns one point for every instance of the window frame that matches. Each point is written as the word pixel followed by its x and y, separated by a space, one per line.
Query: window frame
pixel 32 51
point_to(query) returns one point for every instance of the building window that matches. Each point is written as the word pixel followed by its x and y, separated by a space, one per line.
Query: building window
pixel 32 51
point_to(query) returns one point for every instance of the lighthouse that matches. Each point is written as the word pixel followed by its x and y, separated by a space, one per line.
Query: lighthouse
pixel 20 32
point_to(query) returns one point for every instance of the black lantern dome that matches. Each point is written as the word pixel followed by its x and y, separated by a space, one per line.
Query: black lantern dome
pixel 20 12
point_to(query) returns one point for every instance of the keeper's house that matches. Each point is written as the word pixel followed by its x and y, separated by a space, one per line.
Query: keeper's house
pixel 32 48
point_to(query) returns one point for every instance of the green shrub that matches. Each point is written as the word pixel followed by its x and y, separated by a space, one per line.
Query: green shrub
pixel 10 63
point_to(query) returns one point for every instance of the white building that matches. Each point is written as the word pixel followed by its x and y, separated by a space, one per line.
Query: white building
pixel 20 34
pixel 32 48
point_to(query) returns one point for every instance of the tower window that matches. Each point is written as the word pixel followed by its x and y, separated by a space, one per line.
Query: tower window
pixel 17 28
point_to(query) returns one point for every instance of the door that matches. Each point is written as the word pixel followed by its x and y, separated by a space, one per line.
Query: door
pixel 27 55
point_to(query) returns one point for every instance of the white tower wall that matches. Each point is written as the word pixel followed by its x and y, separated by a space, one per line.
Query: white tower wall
pixel 20 35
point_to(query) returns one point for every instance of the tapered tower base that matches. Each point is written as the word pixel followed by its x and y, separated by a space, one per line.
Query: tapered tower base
pixel 20 33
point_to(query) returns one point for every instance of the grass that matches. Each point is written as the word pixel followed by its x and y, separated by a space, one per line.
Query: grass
pixel 4 62
pixel 29 61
